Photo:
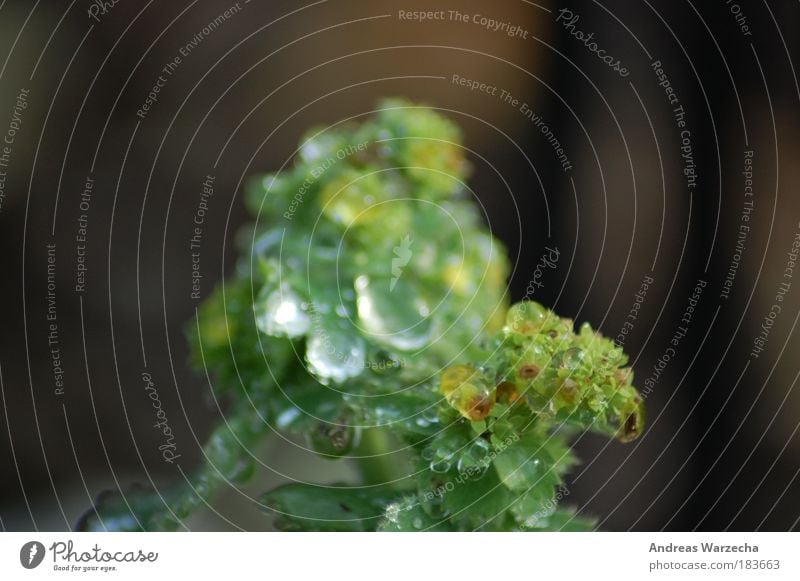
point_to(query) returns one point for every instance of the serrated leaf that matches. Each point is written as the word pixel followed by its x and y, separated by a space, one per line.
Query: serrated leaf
pixel 304 507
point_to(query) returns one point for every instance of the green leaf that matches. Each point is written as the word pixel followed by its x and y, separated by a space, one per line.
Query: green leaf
pixel 561 520
pixel 304 507
pixel 523 463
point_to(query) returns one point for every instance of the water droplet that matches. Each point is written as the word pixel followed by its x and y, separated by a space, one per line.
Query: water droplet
pixel 480 447
pixel 526 318
pixel 310 151
pixel 320 148
pixel 441 461
pixel 474 461
pixel 281 314
pixel 571 358
pixel 568 393
pixel 393 314
pixel 384 363
pixel 443 452
pixel 334 439
pixel 334 354
pixel 383 416
pixel 431 415
pixel 536 350
pixel 417 523
pixel 440 466
pixel 428 454
pixel 488 373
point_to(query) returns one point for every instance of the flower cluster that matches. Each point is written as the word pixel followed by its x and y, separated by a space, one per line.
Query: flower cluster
pixel 563 376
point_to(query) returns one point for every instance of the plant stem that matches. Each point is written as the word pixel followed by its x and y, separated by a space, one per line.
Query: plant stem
pixel 382 465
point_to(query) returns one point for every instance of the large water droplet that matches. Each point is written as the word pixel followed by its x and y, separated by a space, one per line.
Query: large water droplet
pixel 334 354
pixel 571 358
pixel 440 466
pixel 441 461
pixel 473 463
pixel 480 448
pixel 281 314
pixel 393 314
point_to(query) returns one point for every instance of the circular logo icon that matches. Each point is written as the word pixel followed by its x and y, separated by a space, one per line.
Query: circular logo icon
pixel 31 554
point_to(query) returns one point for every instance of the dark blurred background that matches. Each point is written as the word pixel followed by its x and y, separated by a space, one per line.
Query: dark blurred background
pixel 721 448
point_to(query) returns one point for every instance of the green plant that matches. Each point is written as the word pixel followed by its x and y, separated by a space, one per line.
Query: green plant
pixel 369 315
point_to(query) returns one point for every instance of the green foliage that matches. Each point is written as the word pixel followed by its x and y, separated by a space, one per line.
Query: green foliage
pixel 371 294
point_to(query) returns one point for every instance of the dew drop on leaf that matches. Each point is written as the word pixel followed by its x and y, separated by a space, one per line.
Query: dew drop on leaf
pixel 393 314
pixel 281 314
pixel 431 415
pixel 441 461
pixel 335 355
pixel 571 358
pixel 473 463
